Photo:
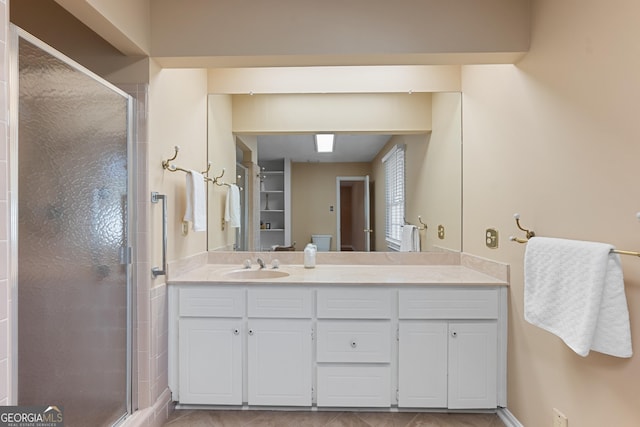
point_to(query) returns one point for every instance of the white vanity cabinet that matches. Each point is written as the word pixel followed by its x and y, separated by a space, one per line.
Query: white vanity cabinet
pixel 279 346
pixel 358 346
pixel 448 348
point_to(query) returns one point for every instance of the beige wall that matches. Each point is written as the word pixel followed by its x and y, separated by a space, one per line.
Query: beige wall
pixel 434 180
pixel 222 154
pixel 381 113
pixel 313 191
pixel 556 138
pixel 286 32
pixel 297 80
pixel 126 24
pixel 177 116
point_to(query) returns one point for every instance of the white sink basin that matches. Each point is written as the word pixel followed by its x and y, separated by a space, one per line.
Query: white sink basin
pixel 256 274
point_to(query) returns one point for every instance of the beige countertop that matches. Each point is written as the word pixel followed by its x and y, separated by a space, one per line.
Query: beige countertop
pixel 325 274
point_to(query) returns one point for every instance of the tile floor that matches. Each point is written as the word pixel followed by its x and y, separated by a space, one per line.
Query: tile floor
pixel 205 418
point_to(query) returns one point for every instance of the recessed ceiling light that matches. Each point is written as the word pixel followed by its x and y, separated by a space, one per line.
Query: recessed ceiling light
pixel 325 142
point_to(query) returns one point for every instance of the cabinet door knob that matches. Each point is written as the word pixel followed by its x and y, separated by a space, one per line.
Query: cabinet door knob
pixel 454 334
pixel 354 344
pixel 236 332
pixel 250 331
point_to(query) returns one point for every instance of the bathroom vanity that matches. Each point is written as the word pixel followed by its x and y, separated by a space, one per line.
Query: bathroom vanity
pixel 362 336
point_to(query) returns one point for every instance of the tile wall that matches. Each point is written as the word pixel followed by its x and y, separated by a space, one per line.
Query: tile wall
pixel 152 327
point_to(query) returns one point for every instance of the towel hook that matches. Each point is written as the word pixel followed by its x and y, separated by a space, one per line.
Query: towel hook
pixel 166 164
pixel 424 226
pixel 215 179
pixel 529 233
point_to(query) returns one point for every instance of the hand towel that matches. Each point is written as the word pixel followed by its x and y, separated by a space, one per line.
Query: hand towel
pixel 575 290
pixel 196 210
pixel 232 206
pixel 410 239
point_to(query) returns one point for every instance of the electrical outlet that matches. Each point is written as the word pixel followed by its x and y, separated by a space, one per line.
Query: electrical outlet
pixel 559 419
pixel 441 232
pixel 491 238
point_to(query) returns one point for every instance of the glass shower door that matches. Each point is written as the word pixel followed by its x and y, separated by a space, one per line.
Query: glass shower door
pixel 72 268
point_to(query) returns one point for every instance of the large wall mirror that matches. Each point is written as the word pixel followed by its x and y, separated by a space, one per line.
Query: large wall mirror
pixel 292 195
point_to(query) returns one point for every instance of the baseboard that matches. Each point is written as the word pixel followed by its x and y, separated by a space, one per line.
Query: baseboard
pixel 153 416
pixel 508 418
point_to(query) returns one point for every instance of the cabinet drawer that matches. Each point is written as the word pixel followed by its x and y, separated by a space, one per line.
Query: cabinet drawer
pixel 354 341
pixel 280 302
pixel 354 385
pixel 211 302
pixel 354 303
pixel 448 304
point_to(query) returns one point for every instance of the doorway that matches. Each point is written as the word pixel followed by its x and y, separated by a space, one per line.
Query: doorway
pixel 71 221
pixel 354 219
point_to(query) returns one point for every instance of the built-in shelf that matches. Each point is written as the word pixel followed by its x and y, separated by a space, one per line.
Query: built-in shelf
pixel 274 193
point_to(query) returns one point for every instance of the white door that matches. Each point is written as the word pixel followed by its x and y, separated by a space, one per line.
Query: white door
pixel 422 377
pixel 279 353
pixel 472 365
pixel 210 361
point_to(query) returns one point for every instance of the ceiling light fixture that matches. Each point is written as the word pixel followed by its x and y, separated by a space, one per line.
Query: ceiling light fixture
pixel 325 142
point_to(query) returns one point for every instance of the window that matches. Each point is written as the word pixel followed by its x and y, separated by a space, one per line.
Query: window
pixel 393 163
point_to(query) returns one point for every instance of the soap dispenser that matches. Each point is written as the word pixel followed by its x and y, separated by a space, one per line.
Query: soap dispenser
pixel 310 255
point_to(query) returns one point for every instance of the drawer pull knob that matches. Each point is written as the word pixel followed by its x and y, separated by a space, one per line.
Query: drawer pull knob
pixel 250 331
pixel 354 344
pixel 236 332
pixel 454 334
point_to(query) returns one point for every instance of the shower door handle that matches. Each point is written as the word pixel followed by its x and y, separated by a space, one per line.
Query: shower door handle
pixel 157 271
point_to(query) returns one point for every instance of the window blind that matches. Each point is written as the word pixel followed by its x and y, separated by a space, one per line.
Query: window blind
pixel 394 184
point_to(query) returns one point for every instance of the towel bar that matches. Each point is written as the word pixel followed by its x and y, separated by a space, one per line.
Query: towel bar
pixel 420 228
pixel 531 233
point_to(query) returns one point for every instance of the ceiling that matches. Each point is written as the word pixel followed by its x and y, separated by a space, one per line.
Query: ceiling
pixel 301 148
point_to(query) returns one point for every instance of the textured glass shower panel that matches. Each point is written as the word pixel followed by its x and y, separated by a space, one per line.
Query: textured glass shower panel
pixel 72 288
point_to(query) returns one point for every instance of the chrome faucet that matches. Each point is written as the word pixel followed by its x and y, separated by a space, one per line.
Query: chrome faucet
pixel 260 263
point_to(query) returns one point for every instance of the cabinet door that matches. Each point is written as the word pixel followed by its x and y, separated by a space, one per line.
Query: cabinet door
pixel 472 365
pixel 210 361
pixel 279 353
pixel 422 376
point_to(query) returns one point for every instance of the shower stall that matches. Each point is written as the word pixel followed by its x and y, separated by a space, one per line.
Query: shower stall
pixel 71 218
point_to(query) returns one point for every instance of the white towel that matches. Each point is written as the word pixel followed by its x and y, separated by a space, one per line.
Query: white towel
pixel 410 239
pixel 196 210
pixel 232 206
pixel 575 290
